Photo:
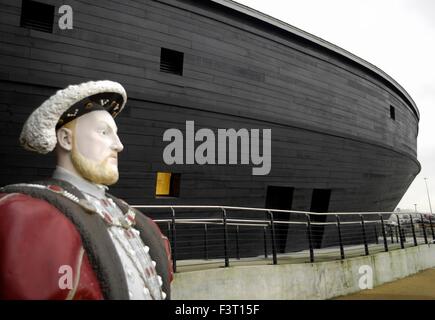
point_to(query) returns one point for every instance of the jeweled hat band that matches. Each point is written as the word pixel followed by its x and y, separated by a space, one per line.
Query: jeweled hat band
pixel 108 101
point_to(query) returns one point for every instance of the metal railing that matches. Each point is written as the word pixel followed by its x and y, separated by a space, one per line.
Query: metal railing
pixel 292 231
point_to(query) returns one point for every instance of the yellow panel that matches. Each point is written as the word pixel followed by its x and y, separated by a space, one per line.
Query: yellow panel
pixel 163 184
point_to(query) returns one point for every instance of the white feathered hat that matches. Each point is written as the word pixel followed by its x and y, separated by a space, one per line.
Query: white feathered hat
pixel 39 131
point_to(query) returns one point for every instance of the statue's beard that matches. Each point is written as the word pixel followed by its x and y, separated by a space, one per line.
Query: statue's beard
pixel 101 173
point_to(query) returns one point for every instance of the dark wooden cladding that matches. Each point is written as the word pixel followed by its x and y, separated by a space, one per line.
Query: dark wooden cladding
pixel 330 117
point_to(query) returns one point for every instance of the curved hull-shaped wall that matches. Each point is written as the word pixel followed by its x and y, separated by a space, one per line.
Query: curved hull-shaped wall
pixel 336 144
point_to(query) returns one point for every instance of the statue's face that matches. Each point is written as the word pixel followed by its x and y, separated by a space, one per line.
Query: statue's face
pixel 95 148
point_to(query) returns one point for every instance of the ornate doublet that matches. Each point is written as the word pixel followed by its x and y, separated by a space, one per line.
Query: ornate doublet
pixel 115 251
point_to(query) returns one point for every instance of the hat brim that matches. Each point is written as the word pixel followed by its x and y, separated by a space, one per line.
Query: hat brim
pixel 39 131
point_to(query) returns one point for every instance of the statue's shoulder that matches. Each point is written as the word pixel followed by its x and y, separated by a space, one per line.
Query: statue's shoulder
pixel 49 185
pixel 61 194
pixel 31 197
pixel 23 210
pixel 37 239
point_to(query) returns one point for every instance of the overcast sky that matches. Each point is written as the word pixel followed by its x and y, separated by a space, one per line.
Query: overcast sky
pixel 398 36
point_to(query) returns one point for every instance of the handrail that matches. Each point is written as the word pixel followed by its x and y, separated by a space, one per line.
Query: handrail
pixel 354 229
pixel 260 209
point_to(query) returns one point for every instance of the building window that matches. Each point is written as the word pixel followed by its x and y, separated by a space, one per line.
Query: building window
pixel 392 113
pixel 36 15
pixel 167 184
pixel 171 61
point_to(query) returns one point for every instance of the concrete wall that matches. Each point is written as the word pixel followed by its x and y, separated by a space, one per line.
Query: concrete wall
pixel 322 280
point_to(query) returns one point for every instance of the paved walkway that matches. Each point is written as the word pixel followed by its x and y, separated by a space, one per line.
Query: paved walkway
pixel 324 254
pixel 420 286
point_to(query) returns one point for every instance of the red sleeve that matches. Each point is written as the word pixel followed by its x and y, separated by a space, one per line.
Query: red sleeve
pixel 41 254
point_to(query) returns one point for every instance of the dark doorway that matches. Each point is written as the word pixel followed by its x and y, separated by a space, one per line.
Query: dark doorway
pixel 280 198
pixel 319 203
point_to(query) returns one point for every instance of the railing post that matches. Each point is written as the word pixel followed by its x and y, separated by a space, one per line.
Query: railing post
pixel 396 230
pixel 224 220
pixel 413 231
pixel 366 247
pixel 265 242
pixel 310 238
pixel 272 229
pixel 340 240
pixel 237 243
pixel 174 241
pixel 431 227
pixel 376 233
pixel 400 232
pixel 424 229
pixel 169 231
pixel 205 242
pixel 383 233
